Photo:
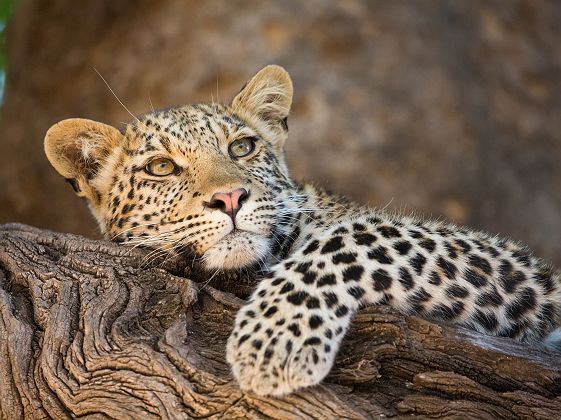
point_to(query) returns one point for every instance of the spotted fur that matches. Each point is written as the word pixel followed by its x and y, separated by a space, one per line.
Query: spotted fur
pixel 322 257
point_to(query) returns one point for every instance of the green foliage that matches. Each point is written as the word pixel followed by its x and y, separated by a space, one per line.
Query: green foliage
pixel 6 9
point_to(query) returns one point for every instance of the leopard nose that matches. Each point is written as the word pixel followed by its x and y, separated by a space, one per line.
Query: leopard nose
pixel 230 202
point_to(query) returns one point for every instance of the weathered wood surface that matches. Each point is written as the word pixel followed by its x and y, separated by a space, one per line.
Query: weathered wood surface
pixel 90 328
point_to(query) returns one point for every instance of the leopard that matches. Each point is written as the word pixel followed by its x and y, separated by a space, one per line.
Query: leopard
pixel 210 182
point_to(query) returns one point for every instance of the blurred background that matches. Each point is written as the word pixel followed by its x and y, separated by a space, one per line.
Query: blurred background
pixel 448 108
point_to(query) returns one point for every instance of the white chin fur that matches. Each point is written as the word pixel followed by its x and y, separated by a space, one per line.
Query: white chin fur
pixel 236 250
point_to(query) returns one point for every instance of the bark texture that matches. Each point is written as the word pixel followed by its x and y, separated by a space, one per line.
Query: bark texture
pixel 90 328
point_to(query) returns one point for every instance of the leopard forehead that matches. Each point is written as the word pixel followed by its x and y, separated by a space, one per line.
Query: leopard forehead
pixel 185 130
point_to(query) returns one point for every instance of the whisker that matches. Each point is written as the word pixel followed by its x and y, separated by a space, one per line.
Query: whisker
pixel 205 284
pixel 115 95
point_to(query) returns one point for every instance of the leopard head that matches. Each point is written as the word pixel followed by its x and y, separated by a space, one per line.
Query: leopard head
pixel 209 180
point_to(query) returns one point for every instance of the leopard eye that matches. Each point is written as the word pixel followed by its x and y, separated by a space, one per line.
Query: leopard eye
pixel 160 167
pixel 241 147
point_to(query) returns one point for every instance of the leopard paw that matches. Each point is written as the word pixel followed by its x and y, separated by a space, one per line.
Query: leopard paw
pixel 278 347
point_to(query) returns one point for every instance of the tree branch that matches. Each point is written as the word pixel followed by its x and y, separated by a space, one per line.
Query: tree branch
pixel 93 328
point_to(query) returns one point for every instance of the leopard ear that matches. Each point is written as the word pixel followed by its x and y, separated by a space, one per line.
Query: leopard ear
pixel 268 95
pixel 77 148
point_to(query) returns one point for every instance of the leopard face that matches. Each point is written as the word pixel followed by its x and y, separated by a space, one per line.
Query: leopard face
pixel 207 180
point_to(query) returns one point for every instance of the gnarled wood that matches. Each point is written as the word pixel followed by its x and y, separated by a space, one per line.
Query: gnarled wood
pixel 91 328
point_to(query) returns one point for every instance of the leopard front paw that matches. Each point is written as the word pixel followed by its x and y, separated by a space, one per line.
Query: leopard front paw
pixel 278 347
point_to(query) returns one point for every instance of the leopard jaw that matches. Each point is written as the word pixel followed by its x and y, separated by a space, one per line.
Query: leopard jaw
pixel 237 250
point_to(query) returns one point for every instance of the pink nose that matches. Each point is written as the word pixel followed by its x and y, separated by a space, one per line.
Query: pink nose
pixel 229 203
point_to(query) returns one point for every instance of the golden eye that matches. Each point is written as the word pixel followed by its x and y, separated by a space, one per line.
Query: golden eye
pixel 160 167
pixel 242 147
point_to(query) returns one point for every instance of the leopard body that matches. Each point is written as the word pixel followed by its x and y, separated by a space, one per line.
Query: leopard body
pixel 322 257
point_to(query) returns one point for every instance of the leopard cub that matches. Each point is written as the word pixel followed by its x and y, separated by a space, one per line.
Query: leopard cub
pixel 209 181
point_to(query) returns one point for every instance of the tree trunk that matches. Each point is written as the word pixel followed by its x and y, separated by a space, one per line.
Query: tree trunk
pixel 93 328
